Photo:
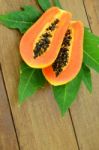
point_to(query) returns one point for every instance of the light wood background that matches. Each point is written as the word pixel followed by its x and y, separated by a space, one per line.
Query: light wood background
pixel 38 125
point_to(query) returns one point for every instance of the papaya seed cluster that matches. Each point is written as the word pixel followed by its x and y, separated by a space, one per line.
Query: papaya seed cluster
pixel 44 42
pixel 62 58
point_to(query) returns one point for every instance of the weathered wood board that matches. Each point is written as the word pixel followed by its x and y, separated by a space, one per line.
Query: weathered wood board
pixel 38 125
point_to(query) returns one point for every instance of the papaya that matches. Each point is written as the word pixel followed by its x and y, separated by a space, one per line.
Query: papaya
pixel 39 46
pixel 70 57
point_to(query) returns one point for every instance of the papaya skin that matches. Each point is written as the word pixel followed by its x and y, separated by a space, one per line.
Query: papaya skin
pixel 30 38
pixel 75 59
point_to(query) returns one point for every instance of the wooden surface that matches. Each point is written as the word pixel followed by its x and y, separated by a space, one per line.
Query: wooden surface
pixel 38 125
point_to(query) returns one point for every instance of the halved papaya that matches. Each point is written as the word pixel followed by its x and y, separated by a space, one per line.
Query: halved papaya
pixel 69 60
pixel 39 46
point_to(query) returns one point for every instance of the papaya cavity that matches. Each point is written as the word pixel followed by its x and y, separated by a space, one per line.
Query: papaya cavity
pixel 69 60
pixel 64 54
pixel 39 47
pixel 45 39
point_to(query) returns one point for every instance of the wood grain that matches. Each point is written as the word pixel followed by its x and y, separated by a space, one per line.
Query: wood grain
pixel 38 122
pixel 85 111
pixel 8 139
pixel 92 9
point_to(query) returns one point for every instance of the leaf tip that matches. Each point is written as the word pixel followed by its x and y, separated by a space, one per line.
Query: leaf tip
pixel 63 112
pixel 19 105
pixel 90 90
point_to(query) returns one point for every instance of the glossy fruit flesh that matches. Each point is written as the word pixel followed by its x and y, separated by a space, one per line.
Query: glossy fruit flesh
pixel 38 43
pixel 69 61
pixel 64 54
pixel 45 39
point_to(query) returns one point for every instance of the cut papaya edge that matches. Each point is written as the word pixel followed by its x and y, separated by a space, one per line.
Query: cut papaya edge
pixel 74 66
pixel 30 38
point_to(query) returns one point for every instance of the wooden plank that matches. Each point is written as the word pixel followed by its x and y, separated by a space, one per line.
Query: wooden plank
pixel 85 111
pixel 92 8
pixel 8 139
pixel 38 122
pixel 77 9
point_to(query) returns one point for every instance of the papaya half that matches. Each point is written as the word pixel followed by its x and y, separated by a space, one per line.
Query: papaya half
pixel 69 60
pixel 39 46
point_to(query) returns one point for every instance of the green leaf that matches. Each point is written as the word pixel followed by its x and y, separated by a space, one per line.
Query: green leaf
pixel 91 49
pixel 57 3
pixel 66 94
pixel 87 77
pixel 21 20
pixel 30 81
pixel 44 4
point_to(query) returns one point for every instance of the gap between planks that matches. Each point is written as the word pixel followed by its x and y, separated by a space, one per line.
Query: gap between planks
pixel 74 129
pixel 14 123
pixel 87 15
pixel 13 116
pixel 73 124
pixel 9 108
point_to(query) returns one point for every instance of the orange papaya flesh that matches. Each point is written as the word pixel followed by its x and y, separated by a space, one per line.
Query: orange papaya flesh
pixel 44 41
pixel 69 60
pixel 39 45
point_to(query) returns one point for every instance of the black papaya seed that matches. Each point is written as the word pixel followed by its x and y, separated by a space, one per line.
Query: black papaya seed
pixel 62 58
pixel 44 41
